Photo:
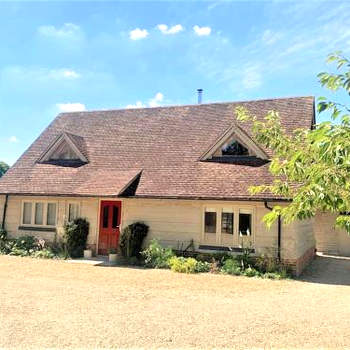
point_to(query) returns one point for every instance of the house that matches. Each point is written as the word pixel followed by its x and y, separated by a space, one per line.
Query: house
pixel 183 170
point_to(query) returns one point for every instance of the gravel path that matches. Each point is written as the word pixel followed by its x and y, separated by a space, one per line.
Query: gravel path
pixel 54 304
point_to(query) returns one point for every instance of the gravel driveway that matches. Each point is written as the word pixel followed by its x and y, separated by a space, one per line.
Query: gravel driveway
pixel 54 304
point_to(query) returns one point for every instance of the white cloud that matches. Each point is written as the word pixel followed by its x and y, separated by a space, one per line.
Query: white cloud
pixel 71 74
pixel 67 31
pixel 71 107
pixel 138 104
pixel 153 102
pixel 269 37
pixel 202 31
pixel 13 139
pixel 138 34
pixel 38 74
pixel 251 77
pixel 59 74
pixel 170 30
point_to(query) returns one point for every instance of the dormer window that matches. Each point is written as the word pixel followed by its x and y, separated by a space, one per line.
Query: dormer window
pixel 234 148
pixel 65 150
pixel 237 147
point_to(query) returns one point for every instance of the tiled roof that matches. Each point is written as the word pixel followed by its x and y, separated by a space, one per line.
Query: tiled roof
pixel 164 142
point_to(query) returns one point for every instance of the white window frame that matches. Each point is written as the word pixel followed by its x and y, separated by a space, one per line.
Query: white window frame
pixel 45 205
pixel 78 203
pixel 221 239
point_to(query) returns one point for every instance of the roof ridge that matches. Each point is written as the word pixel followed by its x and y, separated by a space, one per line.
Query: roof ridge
pixel 190 105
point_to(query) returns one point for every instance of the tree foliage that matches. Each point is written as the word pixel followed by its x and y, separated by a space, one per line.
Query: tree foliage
pixel 3 168
pixel 310 167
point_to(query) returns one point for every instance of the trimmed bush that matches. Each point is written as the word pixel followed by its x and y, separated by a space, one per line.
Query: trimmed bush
pixel 183 265
pixel 76 233
pixel 231 267
pixel 156 256
pixel 132 238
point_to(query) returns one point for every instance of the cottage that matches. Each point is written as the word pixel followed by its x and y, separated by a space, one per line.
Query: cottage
pixel 183 170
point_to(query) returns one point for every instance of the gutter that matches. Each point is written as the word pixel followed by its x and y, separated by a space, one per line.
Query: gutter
pixel 279 232
pixel 4 212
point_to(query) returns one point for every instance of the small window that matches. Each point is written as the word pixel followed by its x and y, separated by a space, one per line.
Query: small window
pixel 39 213
pixel 227 223
pixel 27 213
pixel 73 211
pixel 210 222
pixel 64 152
pixel 51 214
pixel 115 217
pixel 234 149
pixel 105 216
pixel 245 224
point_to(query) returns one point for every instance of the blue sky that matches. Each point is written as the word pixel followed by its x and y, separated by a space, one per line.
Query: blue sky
pixel 59 56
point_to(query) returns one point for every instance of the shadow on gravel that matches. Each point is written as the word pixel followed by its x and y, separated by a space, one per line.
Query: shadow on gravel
pixel 328 270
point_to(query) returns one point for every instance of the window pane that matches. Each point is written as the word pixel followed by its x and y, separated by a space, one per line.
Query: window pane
pixel 51 214
pixel 245 224
pixel 227 223
pixel 234 149
pixel 210 222
pixel 27 213
pixel 105 216
pixel 73 210
pixel 39 213
pixel 115 216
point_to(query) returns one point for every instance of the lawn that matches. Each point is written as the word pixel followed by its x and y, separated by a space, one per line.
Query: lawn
pixel 54 304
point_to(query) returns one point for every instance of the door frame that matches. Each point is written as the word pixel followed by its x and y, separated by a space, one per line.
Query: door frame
pixel 98 214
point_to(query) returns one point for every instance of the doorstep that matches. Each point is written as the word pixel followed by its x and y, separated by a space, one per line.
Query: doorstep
pixel 95 261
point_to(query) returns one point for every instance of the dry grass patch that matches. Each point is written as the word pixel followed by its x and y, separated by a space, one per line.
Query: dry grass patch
pixel 60 305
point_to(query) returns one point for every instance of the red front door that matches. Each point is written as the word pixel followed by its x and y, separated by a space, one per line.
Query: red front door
pixel 110 214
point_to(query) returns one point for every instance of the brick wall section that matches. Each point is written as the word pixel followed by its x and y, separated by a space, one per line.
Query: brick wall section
pixel 298 265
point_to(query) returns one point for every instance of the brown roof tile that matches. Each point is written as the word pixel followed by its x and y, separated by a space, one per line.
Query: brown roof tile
pixel 165 143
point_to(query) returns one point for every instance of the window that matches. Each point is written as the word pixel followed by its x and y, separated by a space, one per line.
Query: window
pixel 51 214
pixel 27 213
pixel 245 224
pixel 105 216
pixel 73 211
pixel 234 148
pixel 115 217
pixel 227 223
pixel 64 151
pixel 39 213
pixel 210 222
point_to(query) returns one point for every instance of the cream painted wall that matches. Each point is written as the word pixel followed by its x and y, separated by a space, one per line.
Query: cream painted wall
pixel 328 238
pixel 88 209
pixel 173 222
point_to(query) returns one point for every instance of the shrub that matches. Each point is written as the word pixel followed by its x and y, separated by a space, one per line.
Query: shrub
pixel 231 267
pixel 76 233
pixel 132 239
pixel 202 266
pixel 26 243
pixel 183 265
pixel 3 241
pixel 265 264
pixel 251 272
pixel 156 256
pixel 44 254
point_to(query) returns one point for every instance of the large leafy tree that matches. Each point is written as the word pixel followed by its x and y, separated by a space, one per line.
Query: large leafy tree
pixel 3 168
pixel 310 167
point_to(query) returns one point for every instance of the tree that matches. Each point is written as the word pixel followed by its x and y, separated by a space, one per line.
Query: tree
pixel 310 167
pixel 3 168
